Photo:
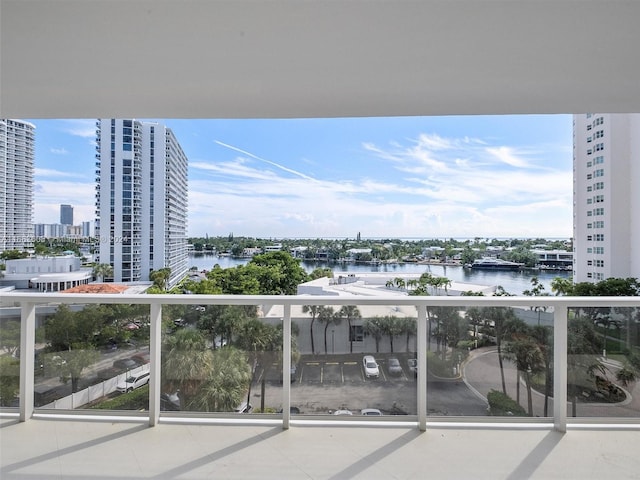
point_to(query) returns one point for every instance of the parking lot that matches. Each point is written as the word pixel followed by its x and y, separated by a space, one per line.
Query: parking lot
pixel 323 384
pixel 338 372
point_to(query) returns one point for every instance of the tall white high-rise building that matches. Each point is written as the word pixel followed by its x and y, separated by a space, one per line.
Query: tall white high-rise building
pixel 606 196
pixel 141 199
pixel 17 152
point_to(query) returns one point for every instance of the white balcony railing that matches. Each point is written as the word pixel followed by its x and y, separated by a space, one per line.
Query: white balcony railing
pixel 559 306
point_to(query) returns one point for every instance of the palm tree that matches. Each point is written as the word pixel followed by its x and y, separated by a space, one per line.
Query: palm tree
pixel 327 316
pixel 187 363
pixel 313 310
pixel 392 327
pixel 409 327
pixel 374 327
pixel 102 271
pixel 224 389
pixel 524 352
pixel 350 312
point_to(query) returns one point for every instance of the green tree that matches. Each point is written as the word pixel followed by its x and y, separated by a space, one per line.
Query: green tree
pixel 10 336
pixel 160 278
pixel 9 379
pixel 186 364
pixel 351 313
pixel 312 310
pixel 224 388
pixel 524 352
pixel 374 327
pixel 285 273
pixel 102 271
pixel 321 272
pixel 327 316
pixel 392 327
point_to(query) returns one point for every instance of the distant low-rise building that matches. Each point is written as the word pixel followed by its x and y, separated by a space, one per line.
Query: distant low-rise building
pixel 46 274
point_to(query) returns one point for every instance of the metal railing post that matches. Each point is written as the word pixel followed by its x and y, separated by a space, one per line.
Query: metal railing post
pixel 155 346
pixel 27 359
pixel 560 323
pixel 286 367
pixel 422 370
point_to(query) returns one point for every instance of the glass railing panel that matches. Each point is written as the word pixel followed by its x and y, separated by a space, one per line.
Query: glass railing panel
pixel 88 356
pixel 603 362
pixel 354 360
pixel 490 361
pixel 219 359
pixel 10 359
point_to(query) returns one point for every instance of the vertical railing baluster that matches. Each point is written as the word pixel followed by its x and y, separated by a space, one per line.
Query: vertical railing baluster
pixel 560 323
pixel 422 364
pixel 27 358
pixel 155 346
pixel 286 367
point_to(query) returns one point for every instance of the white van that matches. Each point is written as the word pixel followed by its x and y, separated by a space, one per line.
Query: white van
pixel 134 381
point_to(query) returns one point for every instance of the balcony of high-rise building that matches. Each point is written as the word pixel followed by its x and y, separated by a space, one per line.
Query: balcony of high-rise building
pixel 288 59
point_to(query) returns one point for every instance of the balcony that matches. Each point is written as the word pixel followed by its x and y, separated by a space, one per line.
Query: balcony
pixel 449 404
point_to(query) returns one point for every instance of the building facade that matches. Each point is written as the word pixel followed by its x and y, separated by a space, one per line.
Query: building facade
pixel 66 214
pixel 141 200
pixel 606 196
pixel 17 152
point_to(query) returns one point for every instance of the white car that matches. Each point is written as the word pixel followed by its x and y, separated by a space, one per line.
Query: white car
pixel 370 412
pixel 370 366
pixel 133 382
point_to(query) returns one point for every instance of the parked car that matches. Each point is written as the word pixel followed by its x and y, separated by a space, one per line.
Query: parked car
pixel 370 366
pixel 394 367
pixel 413 366
pixel 244 407
pixel 343 411
pixel 133 382
pixel 125 364
pixel 170 401
pixel 141 358
pixel 370 412
pixel 292 410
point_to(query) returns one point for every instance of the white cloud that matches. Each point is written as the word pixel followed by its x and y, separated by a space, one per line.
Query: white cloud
pixel 508 156
pixel 46 172
pixel 80 128
pixel 59 151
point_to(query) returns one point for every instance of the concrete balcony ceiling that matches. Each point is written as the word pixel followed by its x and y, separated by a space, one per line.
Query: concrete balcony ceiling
pixel 288 59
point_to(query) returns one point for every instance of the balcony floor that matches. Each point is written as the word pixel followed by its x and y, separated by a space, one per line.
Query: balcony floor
pixel 83 449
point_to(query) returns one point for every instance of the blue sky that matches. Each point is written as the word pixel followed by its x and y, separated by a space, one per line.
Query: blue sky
pixel 485 176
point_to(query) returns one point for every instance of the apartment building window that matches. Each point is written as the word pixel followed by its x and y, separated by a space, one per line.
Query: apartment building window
pixel 599 224
pixel 589 213
pixel 599 276
pixel 589 263
pixel 598 160
pixel 589 201
pixel 589 275
pixel 588 127
pixel 599 185
pixel 589 176
pixel 599 198
pixel 599 237
pixel 589 139
pixel 589 225
pixel 598 250
pixel 600 263
pixel 589 188
pixel 599 172
pixel 598 211
pixel 589 152
pixel 589 250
